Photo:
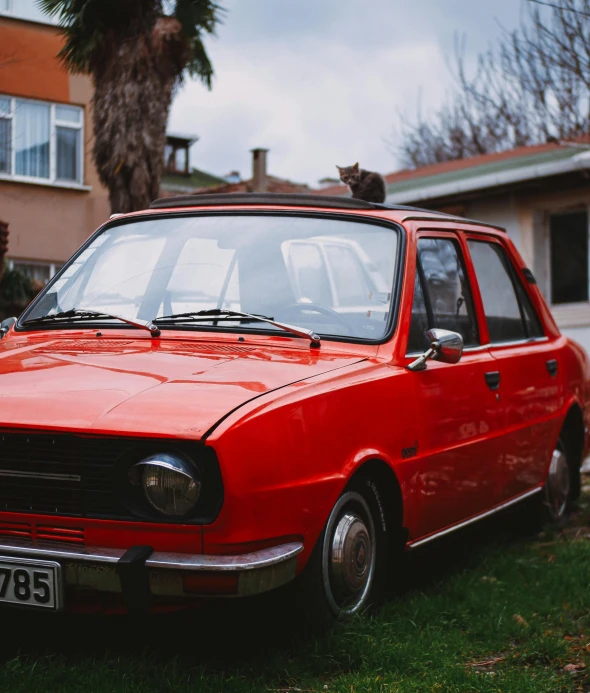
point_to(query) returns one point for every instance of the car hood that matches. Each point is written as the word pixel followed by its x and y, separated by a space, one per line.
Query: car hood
pixel 143 387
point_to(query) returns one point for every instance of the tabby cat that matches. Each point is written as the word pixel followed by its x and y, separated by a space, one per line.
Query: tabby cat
pixel 364 185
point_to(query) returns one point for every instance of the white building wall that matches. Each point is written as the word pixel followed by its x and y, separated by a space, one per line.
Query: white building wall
pixel 500 211
pixel 579 334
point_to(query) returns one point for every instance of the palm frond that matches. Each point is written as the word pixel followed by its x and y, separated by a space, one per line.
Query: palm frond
pixel 199 17
pixel 86 25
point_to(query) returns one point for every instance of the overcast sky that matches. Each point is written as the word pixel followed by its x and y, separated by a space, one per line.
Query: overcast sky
pixel 319 82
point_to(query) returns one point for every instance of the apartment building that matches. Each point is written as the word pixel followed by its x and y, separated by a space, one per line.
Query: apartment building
pixel 50 194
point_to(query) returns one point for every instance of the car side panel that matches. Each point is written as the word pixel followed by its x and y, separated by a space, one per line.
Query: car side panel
pixel 533 402
pixel 459 442
pixel 285 462
pixel 575 367
pixel 460 422
pixel 532 395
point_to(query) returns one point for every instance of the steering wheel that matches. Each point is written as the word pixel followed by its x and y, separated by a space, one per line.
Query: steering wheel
pixel 297 309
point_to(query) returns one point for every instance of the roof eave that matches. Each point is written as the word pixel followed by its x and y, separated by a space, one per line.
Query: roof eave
pixel 578 162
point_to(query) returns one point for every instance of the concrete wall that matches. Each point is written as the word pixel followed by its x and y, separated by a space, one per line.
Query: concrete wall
pixel 47 223
pixel 500 210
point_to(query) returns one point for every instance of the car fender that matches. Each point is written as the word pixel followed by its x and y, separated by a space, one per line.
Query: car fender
pixel 285 461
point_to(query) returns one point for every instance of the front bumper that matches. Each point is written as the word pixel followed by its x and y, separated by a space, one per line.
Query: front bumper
pixel 167 574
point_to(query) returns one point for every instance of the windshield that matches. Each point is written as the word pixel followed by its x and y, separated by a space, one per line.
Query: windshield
pixel 331 276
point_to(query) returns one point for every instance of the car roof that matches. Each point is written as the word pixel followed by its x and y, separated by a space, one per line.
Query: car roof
pixel 308 201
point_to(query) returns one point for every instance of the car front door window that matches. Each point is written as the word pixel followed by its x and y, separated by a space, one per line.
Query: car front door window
pixel 442 297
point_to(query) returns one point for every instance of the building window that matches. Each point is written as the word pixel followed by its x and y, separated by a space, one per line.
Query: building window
pixel 5 135
pixel 41 141
pixel 568 235
pixel 40 272
pixel 31 141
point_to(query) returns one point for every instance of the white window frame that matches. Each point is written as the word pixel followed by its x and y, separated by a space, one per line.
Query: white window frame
pixel 53 266
pixel 53 125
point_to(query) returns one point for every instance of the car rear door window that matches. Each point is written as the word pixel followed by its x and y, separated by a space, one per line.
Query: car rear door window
pixel 445 289
pixel 510 315
pixel 532 322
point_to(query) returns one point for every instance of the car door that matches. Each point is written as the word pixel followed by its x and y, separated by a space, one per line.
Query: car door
pixel 459 460
pixel 530 384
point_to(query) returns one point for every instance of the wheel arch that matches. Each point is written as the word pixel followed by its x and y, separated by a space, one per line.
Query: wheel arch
pixel 383 484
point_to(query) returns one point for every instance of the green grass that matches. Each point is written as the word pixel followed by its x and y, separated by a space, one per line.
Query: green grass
pixel 486 612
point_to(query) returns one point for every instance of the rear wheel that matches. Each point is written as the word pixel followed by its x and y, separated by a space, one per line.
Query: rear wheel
pixel 558 486
pixel 345 574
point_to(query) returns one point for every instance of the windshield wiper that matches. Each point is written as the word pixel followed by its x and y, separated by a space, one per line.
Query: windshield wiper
pixel 81 314
pixel 218 313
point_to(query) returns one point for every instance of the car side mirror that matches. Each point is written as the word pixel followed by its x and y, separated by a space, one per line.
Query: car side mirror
pixel 5 325
pixel 445 346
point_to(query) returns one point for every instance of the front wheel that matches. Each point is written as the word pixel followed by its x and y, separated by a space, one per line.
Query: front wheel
pixel 345 574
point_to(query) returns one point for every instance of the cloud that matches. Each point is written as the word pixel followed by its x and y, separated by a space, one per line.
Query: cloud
pixel 320 83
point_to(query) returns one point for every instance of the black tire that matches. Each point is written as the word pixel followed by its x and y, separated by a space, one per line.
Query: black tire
pixel 551 508
pixel 326 588
pixel 574 458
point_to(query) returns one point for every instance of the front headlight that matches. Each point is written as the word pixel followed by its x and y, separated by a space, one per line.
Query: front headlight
pixel 170 483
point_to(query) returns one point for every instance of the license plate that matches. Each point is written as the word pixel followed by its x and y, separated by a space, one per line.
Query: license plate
pixel 30 583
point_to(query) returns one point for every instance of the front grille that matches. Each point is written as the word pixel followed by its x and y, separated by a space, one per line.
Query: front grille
pixel 77 476
pixel 59 474
pixel 67 535
pixel 20 530
pixel 28 532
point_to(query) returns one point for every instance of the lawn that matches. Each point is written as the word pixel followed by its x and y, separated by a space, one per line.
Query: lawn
pixel 487 611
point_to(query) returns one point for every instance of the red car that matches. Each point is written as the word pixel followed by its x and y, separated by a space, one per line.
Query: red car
pixel 224 393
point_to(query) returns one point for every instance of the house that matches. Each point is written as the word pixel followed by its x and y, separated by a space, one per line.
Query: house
pixel 261 180
pixel 179 177
pixel 50 194
pixel 539 194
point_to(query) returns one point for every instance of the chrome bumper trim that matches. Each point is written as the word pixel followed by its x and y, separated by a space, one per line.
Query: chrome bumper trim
pixel 255 560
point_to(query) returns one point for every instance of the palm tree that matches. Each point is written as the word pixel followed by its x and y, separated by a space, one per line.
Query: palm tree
pixel 137 52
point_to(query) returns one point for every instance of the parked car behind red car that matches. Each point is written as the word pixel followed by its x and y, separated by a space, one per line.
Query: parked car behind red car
pixel 221 394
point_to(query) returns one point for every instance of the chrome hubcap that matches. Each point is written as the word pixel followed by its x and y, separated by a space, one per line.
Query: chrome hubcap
pixel 351 556
pixel 557 487
pixel 348 558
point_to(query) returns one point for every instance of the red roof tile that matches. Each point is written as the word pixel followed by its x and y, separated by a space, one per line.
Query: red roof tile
pixel 274 185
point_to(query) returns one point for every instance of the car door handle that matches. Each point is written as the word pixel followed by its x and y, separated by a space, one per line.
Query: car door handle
pixel 552 366
pixel 493 379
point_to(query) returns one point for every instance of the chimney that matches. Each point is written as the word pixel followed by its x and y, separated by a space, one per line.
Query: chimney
pixel 259 180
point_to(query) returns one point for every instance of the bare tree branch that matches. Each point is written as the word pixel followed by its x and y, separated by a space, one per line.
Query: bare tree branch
pixel 533 86
pixel 551 4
